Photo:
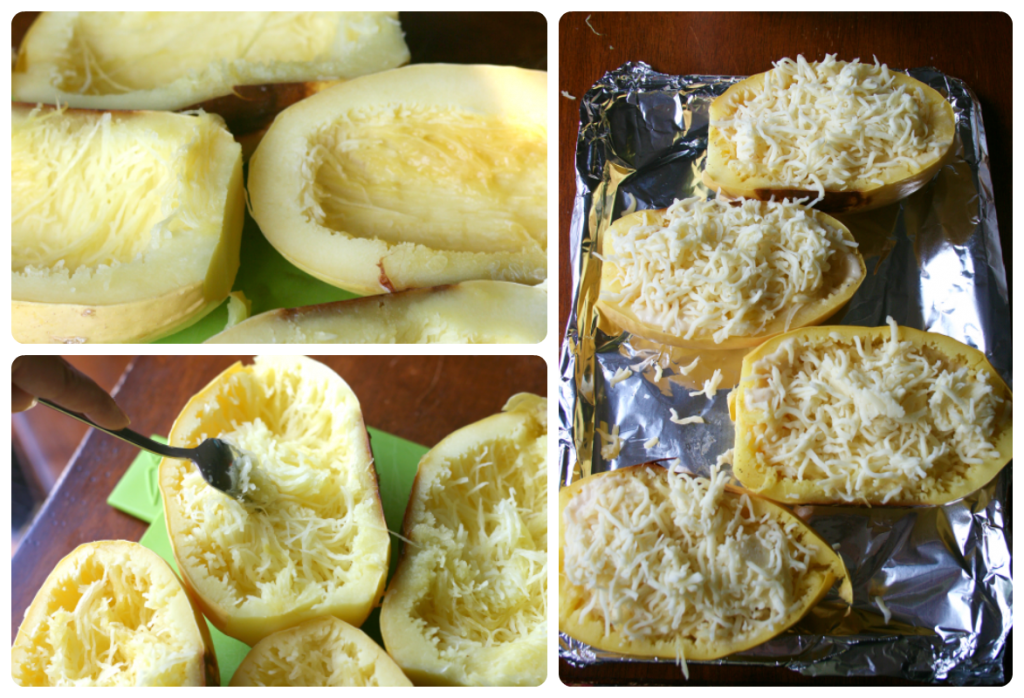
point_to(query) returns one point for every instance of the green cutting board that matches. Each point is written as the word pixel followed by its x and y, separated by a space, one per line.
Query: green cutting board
pixel 268 280
pixel 138 494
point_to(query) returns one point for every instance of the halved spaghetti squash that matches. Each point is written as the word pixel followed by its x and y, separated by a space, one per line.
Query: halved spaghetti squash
pixel 317 543
pixel 112 613
pixel 851 136
pixel 320 652
pixel 714 275
pixel 471 312
pixel 884 415
pixel 126 226
pixel 468 604
pixel 421 176
pixel 659 564
pixel 174 60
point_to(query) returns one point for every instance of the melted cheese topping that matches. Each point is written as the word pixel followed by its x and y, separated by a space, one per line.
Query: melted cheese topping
pixel 667 557
pixel 828 124
pixel 870 420
pixel 710 268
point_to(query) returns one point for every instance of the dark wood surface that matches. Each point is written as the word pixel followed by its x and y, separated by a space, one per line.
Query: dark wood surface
pixel 973 47
pixel 422 399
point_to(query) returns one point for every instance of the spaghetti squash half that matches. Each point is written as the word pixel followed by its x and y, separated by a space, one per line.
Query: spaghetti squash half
pixel 317 543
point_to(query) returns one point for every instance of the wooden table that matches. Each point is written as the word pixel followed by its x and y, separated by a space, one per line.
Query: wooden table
pixel 973 47
pixel 422 399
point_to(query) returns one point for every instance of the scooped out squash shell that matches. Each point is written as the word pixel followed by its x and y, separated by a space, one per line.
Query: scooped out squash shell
pixel 319 652
pixel 112 613
pixel 468 603
pixel 319 544
pixel 943 484
pixel 126 226
pixel 420 176
pixel 826 569
pixel 859 194
pixel 839 284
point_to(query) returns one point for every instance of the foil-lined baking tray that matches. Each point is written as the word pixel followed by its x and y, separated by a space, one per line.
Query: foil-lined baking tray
pixel 934 262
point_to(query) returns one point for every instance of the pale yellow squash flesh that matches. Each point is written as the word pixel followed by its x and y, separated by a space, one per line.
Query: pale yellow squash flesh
pixel 319 652
pixel 318 545
pixel 174 60
pixel 468 603
pixel 472 312
pixel 126 226
pixel 809 588
pixel 112 613
pixel 938 349
pixel 840 283
pixel 420 176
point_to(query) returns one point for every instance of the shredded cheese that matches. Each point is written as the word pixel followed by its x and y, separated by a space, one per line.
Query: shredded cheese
pixel 886 613
pixel 710 388
pixel 612 442
pixel 651 442
pixel 667 558
pixel 870 420
pixel 621 374
pixel 829 125
pixel 708 268
pixel 676 419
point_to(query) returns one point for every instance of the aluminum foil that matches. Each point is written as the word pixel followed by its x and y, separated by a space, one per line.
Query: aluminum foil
pixel 934 262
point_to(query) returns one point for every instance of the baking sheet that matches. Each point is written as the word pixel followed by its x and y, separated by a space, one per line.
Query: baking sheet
pixel 934 262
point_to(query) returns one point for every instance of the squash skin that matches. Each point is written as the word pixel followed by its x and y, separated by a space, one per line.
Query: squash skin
pixel 845 278
pixel 142 319
pixel 769 485
pixel 591 631
pixel 250 629
pixel 203 669
pixel 860 196
pixel 370 265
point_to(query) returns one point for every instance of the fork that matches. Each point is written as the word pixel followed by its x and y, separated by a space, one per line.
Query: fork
pixel 218 461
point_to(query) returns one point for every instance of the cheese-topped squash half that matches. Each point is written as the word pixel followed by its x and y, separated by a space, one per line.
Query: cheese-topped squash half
pixel 851 136
pixel 885 415
pixel 715 275
pixel 660 564
pixel 420 176
pixel 312 540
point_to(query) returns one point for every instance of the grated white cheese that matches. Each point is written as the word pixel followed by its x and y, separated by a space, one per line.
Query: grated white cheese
pixel 712 269
pixel 676 419
pixel 870 420
pixel 651 442
pixel 710 388
pixel 621 374
pixel 828 125
pixel 667 558
pixel 886 613
pixel 612 442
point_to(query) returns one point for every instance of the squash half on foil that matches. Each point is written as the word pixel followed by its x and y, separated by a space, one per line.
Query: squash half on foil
pixel 112 613
pixel 838 285
pixel 626 625
pixel 126 226
pixel 316 543
pixel 468 603
pixel 421 176
pixel 944 395
pixel 859 193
